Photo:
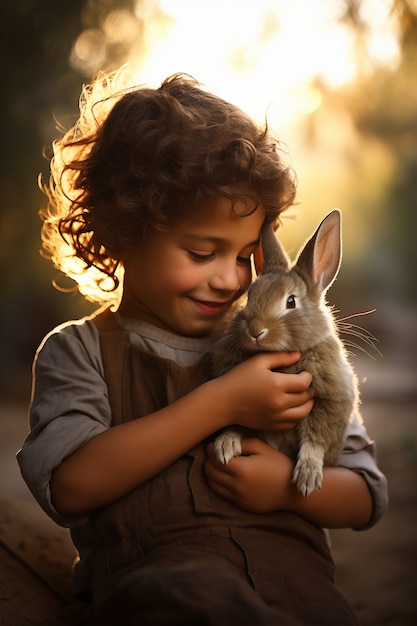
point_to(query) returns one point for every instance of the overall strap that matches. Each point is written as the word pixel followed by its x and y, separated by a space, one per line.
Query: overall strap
pixel 140 383
pixel 114 350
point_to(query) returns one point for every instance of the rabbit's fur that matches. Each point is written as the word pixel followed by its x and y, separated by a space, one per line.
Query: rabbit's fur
pixel 286 311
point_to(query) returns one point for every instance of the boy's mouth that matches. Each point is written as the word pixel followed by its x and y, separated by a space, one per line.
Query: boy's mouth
pixel 210 307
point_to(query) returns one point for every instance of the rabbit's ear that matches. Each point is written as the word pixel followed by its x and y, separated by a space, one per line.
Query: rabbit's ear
pixel 274 255
pixel 320 258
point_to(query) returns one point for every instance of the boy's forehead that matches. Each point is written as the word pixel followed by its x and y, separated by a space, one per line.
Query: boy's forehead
pixel 223 225
pixel 221 212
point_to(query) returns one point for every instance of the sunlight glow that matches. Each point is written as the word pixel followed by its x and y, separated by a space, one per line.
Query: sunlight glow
pixel 265 56
pixel 382 43
pixel 268 56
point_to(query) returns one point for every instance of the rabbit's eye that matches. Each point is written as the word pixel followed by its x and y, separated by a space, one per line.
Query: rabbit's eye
pixel 291 302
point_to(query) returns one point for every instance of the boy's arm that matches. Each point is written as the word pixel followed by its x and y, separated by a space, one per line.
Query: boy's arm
pixel 359 455
pixel 73 462
pixel 125 456
pixel 260 481
pixel 87 475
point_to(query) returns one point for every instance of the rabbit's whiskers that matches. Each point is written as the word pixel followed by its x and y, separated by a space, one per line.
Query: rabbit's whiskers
pixel 345 327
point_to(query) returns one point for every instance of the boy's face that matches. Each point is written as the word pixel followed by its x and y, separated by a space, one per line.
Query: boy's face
pixel 185 279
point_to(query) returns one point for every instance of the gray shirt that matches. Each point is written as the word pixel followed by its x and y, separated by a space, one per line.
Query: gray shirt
pixel 70 405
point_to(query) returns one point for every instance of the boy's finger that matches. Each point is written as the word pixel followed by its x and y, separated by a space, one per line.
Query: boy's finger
pixel 279 359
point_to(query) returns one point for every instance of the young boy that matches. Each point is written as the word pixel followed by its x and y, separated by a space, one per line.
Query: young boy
pixel 160 196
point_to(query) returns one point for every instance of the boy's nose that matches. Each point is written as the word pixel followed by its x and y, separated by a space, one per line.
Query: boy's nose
pixel 225 280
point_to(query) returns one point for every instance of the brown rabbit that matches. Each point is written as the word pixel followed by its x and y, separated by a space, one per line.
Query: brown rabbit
pixel 286 311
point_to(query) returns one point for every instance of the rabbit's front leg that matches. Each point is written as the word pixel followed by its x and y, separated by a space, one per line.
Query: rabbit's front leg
pixel 308 472
pixel 228 445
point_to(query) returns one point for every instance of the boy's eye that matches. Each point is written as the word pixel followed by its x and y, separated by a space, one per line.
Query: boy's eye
pixel 200 258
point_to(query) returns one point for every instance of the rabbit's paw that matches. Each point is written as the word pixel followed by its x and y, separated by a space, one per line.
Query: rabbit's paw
pixel 308 475
pixel 228 445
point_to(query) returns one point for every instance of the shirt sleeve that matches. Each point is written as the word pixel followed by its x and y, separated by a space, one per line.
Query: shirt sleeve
pixel 69 406
pixel 359 455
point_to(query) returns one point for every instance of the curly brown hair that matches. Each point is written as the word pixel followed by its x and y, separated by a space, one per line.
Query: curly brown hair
pixel 145 157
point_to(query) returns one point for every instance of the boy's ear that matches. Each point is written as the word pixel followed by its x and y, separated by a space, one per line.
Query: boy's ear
pixel 258 259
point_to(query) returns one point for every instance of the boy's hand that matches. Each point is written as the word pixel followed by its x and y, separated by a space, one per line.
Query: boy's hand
pixel 259 398
pixel 259 481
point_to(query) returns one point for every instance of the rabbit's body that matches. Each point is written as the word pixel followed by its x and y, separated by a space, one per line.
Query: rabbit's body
pixel 286 311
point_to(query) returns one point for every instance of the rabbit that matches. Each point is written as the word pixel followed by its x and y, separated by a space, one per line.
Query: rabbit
pixel 286 311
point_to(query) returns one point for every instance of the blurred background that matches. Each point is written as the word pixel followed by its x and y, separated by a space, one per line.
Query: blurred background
pixel 337 80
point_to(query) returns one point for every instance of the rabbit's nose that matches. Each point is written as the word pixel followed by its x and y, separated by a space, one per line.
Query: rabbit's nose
pixel 260 336
pixel 257 332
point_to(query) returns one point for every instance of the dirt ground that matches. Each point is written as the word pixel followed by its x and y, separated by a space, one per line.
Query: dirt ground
pixel 375 569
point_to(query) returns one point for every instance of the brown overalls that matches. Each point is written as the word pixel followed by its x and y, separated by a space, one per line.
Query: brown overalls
pixel 172 553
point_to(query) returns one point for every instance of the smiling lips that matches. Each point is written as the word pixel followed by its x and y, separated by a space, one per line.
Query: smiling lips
pixel 210 308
